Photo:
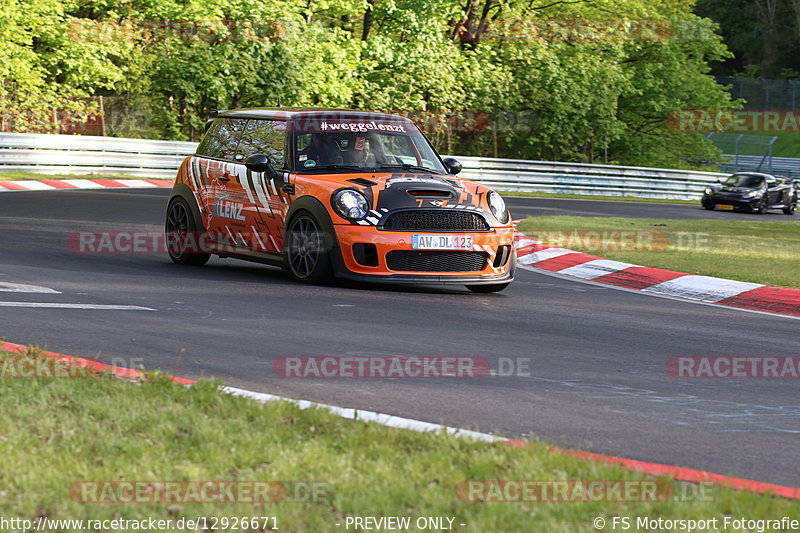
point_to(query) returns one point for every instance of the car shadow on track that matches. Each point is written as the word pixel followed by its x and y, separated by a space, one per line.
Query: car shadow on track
pixel 243 271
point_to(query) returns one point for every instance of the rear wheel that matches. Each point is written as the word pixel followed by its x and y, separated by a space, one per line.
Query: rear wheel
pixel 306 254
pixel 182 235
pixel 485 289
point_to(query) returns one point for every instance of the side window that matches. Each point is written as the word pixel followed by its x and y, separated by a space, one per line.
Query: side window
pixel 266 137
pixel 222 138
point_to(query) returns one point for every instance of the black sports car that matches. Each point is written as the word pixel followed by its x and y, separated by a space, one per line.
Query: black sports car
pixel 752 191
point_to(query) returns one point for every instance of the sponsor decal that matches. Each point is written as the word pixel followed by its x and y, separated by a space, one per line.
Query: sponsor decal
pixel 310 163
pixel 231 210
pixel 362 127
pixel 302 157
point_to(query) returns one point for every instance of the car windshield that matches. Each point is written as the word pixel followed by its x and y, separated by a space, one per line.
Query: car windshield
pixel 745 180
pixel 342 144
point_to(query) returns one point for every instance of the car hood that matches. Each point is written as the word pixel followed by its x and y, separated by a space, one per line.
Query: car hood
pixel 727 188
pixel 403 190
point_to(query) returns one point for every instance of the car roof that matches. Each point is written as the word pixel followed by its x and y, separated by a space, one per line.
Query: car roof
pixel 288 113
pixel 759 174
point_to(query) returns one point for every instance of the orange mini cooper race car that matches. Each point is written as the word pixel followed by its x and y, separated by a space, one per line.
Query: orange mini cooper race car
pixel 357 195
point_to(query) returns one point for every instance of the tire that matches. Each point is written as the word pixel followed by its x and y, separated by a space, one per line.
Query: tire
pixel 762 206
pixel 790 209
pixel 486 289
pixel 181 223
pixel 307 257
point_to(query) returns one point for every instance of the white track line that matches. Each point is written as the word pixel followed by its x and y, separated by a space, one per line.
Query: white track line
pixel 702 288
pixel 368 416
pixel 76 306
pixel 84 184
pixel 21 287
pixel 595 269
pixel 34 185
pixel 541 255
pixel 137 184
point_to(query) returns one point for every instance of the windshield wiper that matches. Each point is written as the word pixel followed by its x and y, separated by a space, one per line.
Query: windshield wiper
pixel 408 166
pixel 336 167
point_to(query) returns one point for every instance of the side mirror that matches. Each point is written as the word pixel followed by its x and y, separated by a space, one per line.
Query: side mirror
pixel 452 165
pixel 260 163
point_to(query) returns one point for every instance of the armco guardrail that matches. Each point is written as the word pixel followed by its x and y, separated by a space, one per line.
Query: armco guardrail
pixel 73 154
pixel 782 166
pixel 578 178
pixel 79 154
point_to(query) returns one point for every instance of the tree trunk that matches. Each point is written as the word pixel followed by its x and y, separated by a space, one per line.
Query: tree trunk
pixel 368 20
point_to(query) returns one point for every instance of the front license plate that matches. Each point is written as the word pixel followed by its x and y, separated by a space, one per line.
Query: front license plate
pixel 725 207
pixel 441 242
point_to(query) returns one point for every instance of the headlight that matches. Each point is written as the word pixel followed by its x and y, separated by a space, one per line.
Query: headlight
pixel 751 194
pixel 351 204
pixel 498 207
pixel 708 190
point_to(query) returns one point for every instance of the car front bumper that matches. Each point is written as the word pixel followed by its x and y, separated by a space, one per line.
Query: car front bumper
pixel 348 267
pixel 736 202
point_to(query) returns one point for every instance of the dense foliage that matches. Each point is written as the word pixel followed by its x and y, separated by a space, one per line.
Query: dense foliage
pixel 508 78
pixel 764 36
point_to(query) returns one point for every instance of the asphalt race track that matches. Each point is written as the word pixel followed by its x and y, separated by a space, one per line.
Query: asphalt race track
pixel 597 355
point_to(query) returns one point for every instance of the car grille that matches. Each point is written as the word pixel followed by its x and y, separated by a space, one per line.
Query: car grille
pixel 435 219
pixel 435 261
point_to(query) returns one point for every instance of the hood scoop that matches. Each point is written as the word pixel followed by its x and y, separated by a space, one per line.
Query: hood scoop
pixel 363 181
pixel 429 193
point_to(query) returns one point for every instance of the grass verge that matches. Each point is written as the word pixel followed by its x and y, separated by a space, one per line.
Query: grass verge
pixel 56 432
pixel 25 176
pixel 745 250
pixel 511 194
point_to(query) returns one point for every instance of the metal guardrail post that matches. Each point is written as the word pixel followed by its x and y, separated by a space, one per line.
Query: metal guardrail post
pixel 736 150
pixel 767 156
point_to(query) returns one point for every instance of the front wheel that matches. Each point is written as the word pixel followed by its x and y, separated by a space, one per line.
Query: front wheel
pixel 762 207
pixel 790 209
pixel 486 289
pixel 306 254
